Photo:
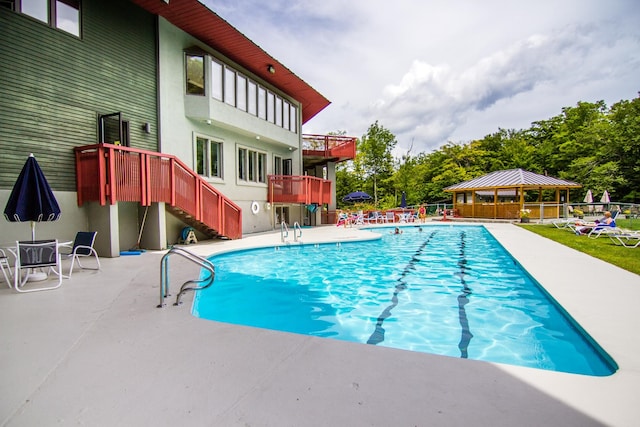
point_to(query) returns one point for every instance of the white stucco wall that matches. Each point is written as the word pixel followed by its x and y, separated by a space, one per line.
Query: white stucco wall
pixel 72 220
pixel 179 123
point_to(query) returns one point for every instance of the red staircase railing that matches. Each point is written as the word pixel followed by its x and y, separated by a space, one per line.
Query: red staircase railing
pixel 111 173
pixel 299 189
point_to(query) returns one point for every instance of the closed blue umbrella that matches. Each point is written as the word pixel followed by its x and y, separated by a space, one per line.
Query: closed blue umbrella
pixel 403 201
pixel 31 198
pixel 357 197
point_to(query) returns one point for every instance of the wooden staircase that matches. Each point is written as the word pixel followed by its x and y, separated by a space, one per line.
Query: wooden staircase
pixel 192 222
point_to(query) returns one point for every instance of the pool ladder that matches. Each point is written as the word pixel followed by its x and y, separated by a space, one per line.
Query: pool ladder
pixel 296 229
pixel 164 274
pixel 284 231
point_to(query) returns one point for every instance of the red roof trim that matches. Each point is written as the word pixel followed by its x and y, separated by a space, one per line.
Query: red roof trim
pixel 198 20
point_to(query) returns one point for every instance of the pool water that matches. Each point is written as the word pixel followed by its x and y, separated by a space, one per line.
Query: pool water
pixel 448 290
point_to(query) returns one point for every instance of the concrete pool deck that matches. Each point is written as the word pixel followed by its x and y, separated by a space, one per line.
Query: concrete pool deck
pixel 98 352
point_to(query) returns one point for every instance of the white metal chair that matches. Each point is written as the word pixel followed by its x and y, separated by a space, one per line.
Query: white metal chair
pixel 33 255
pixel 82 247
pixel 5 267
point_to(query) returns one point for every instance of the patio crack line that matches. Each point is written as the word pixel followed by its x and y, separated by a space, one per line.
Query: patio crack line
pixel 378 335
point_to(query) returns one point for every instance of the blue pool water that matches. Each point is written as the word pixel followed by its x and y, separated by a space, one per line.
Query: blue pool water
pixel 446 290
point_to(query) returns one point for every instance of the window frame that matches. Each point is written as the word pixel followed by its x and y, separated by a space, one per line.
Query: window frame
pixel 51 16
pixel 207 152
pixel 187 74
pixel 251 166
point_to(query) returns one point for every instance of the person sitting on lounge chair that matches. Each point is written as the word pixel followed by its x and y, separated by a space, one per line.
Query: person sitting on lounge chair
pixel 606 221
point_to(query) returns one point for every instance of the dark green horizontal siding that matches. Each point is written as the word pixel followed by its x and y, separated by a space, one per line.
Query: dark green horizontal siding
pixel 54 85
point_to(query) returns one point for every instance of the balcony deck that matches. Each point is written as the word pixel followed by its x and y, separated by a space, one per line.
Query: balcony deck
pixel 320 149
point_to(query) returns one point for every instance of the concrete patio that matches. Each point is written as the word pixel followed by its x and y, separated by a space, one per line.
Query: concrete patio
pixel 98 352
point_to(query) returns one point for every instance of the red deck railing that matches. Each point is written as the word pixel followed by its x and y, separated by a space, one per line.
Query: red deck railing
pixel 111 173
pixel 329 146
pixel 299 189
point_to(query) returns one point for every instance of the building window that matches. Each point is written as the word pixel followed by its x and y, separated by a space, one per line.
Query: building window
pixel 262 167
pixel 252 166
pixel 262 103
pixel 229 86
pixel 216 80
pixel 38 9
pixel 61 14
pixel 278 111
pixel 252 96
pixel 195 74
pixel 67 16
pixel 286 107
pixel 270 107
pixel 277 165
pixel 241 90
pixel 294 119
pixel 282 166
pixel 208 160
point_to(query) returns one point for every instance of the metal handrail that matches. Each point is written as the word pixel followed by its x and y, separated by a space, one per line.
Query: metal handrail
pixel 296 226
pixel 164 274
pixel 284 231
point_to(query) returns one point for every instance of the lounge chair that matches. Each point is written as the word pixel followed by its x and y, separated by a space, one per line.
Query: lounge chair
pixel 604 230
pixel 626 240
pixel 82 247
pixel 563 223
pixel 33 255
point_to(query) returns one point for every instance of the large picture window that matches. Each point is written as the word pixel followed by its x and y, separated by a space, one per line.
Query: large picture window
pixel 208 161
pixel 252 165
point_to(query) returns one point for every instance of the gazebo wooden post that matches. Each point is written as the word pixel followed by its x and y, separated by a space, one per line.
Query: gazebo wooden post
pixel 473 203
pixel 495 203
pixel 541 206
pixel 521 189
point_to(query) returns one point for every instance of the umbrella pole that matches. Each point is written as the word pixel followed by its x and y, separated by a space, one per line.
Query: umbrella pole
pixel 35 275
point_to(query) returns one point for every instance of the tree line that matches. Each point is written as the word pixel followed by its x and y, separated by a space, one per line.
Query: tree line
pixel 591 144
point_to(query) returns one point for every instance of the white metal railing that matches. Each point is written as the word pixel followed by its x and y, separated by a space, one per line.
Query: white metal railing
pixel 164 274
pixel 284 231
pixel 296 229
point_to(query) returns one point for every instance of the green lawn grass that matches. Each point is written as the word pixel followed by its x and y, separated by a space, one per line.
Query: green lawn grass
pixel 602 247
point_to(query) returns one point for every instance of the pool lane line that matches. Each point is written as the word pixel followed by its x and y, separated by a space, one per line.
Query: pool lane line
pixel 465 333
pixel 378 335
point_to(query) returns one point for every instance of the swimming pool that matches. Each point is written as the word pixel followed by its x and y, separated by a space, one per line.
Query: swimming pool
pixel 451 291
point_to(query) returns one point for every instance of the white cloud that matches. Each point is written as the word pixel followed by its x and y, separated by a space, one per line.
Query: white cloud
pixel 433 72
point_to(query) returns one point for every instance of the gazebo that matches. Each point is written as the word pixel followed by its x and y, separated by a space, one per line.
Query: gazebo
pixel 503 194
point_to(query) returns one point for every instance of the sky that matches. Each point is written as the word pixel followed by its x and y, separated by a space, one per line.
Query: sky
pixel 434 72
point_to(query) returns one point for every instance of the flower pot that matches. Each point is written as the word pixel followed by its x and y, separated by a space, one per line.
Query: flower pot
pixel 524 219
